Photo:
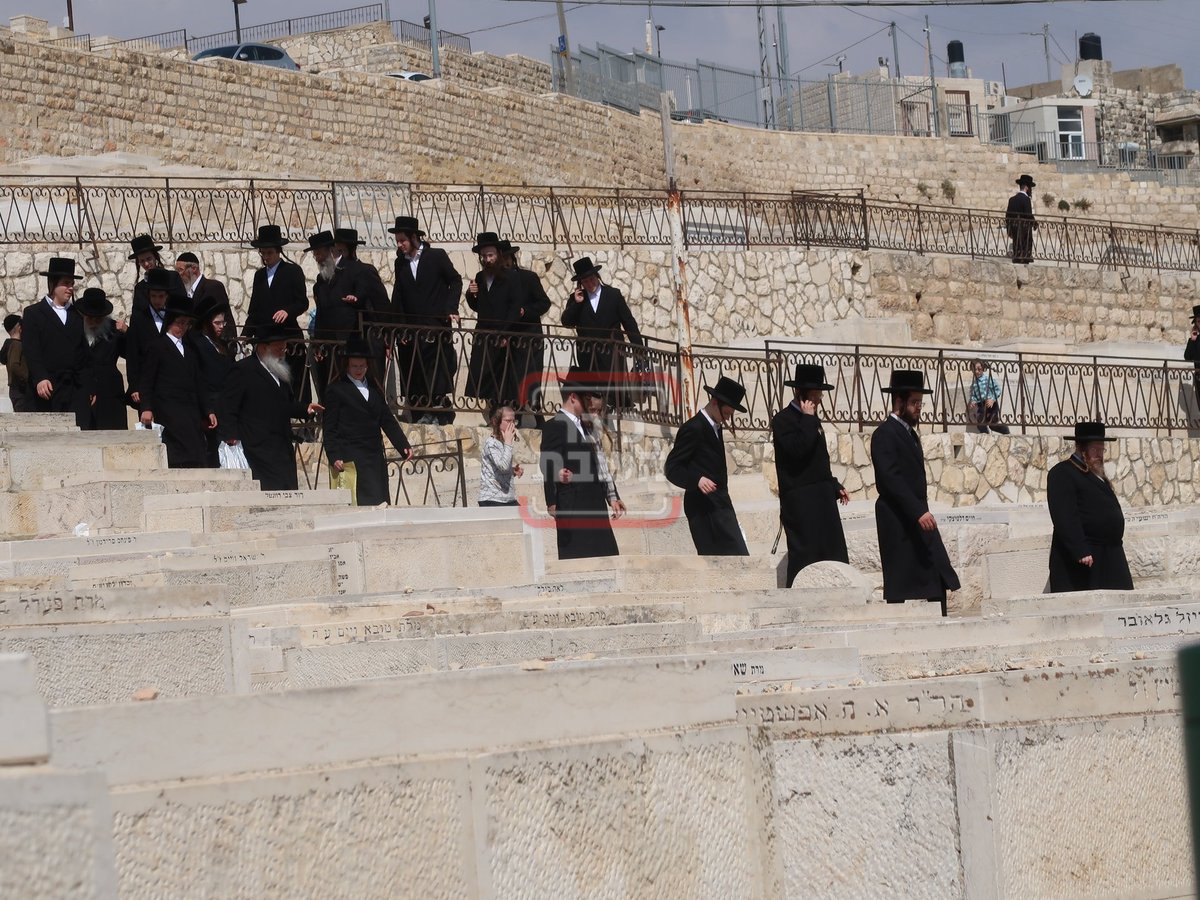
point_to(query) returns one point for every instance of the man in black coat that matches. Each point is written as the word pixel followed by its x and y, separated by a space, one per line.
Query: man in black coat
pixel 527 353
pixel 425 298
pixel 808 492
pixel 145 255
pixel 599 314
pixel 106 344
pixel 1086 551
pixel 913 557
pixel 578 486
pixel 1019 220
pixel 355 414
pixel 214 338
pixel 696 463
pixel 352 295
pixel 146 324
pixel 494 295
pixel 60 371
pixel 257 408
pixel 278 296
pixel 1192 351
pixel 12 357
pixel 173 393
pixel 199 289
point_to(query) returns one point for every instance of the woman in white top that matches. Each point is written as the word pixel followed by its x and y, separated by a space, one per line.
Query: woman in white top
pixel 498 473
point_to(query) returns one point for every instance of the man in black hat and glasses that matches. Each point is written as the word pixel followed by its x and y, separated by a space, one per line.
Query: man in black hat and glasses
pixel 599 314
pixel 60 371
pixel 1192 351
pixel 1019 221
pixel 356 414
pixel 425 297
pixel 697 464
pixel 277 297
pixel 1086 551
pixel 913 557
pixel 808 492
pixel 173 391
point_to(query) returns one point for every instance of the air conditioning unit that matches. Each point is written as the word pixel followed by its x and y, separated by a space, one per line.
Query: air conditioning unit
pixel 994 88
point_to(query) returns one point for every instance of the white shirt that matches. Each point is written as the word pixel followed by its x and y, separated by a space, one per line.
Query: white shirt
pixel 362 387
pixel 158 316
pixel 715 427
pixel 414 261
pixel 60 311
pixel 268 371
pixel 177 342
pixel 594 299
pixel 191 288
pixel 271 273
pixel 575 420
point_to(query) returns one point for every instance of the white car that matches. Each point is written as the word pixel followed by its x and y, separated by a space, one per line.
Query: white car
pixel 263 54
pixel 411 76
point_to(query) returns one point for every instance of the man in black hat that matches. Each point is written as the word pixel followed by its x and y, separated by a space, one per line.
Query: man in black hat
pixel 257 408
pixel 60 373
pixel 106 344
pixel 913 557
pixel 579 488
pixel 494 295
pixel 1086 551
pixel 599 314
pixel 697 464
pixel 355 414
pixel 214 336
pixel 1019 221
pixel 346 297
pixel 173 392
pixel 12 357
pixel 808 492
pixel 1192 351
pixel 145 254
pixel 277 297
pixel 425 299
pixel 146 324
pixel 527 352
pixel 199 289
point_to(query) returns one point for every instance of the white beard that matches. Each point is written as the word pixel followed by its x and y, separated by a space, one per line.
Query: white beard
pixel 98 334
pixel 278 368
pixel 327 268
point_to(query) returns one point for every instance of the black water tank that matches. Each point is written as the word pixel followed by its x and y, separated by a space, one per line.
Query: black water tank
pixel 954 51
pixel 1089 47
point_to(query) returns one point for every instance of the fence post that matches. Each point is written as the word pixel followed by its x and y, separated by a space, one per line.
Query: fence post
pixel 1157 258
pixel 942 385
pixel 1096 414
pixel 80 214
pixel 1164 403
pixel 333 204
pixel 170 218
pixel 970 233
pixel 746 219
pixel 553 221
pixel 920 236
pixel 866 221
pixel 482 213
pixel 1021 389
pixel 859 412
pixel 251 208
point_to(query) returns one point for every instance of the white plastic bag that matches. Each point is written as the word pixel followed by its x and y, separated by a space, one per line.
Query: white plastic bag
pixel 154 426
pixel 232 457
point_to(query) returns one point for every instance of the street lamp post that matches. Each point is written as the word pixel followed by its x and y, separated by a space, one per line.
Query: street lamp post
pixel 660 29
pixel 70 17
pixel 237 20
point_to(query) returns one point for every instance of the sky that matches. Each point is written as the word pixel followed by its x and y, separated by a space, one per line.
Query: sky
pixel 1134 32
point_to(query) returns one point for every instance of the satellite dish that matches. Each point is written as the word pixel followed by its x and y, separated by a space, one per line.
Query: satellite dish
pixel 1083 85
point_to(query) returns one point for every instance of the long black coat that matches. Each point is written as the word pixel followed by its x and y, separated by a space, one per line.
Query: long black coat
pixel 698 453
pixel 258 412
pixel 490 376
pixel 1019 220
pixel 808 492
pixel 428 363
pixel 1087 522
pixel 209 290
pixel 352 429
pixel 57 352
pixel 286 292
pixel 611 317
pixel 581 518
pixel 215 369
pixel 143 331
pixel 109 411
pixel 352 278
pixel 527 353
pixel 173 391
pixel 915 563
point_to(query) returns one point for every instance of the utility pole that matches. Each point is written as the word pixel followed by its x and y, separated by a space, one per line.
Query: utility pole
pixel 1046 49
pixel 785 66
pixel 434 44
pixel 937 128
pixel 70 16
pixel 895 49
pixel 764 67
pixel 564 49
pixel 237 20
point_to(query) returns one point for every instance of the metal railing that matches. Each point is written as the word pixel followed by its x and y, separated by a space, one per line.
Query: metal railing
pixel 75 41
pixel 166 40
pixel 412 33
pixel 329 21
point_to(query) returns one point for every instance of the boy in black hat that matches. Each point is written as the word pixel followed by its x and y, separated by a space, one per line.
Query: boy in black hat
pixel 1019 221
pixel 355 414
pixel 12 357
pixel 697 464
pixel 913 557
pixel 145 254
pixel 1192 351
pixel 173 392
pixel 106 344
pixel 1086 551
pixel 146 324
pixel 808 492
pixel 60 373
pixel 599 314
pixel 278 296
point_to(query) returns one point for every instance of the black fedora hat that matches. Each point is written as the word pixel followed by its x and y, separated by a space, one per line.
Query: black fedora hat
pixel 906 381
pixel 486 239
pixel 94 303
pixel 179 307
pixel 269 236
pixel 580 381
pixel 1026 181
pixel 210 306
pixel 1195 311
pixel 347 236
pixel 268 333
pixel 407 224
pixel 320 239
pixel 809 378
pixel 141 244
pixel 1090 431
pixel 357 345
pixel 583 268
pixel 506 248
pixel 729 392
pixel 11 321
pixel 159 279
pixel 61 267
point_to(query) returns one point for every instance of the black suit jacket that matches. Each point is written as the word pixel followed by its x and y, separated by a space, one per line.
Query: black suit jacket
pixel 171 384
pixel 533 302
pixel 352 425
pixel 54 351
pixel 286 292
pixel 142 333
pixel 611 316
pixel 432 297
pixel 209 291
pixel 1192 351
pixel 1019 212
pixel 497 308
pixel 258 412
pixel 697 453
pixel 352 277
pixel 563 447
pixel 801 456
pixel 1088 521
pixel 215 366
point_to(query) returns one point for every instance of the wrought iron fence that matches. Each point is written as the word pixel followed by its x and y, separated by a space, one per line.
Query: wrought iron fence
pixel 75 41
pixel 412 33
pixel 165 40
pixel 328 21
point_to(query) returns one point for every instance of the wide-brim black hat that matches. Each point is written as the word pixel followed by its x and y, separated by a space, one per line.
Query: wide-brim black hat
pixel 269 236
pixel 1195 311
pixel 61 267
pixel 583 268
pixel 581 381
pixel 94 303
pixel 1090 431
pixel 268 333
pixel 210 306
pixel 906 381
pixel 729 392
pixel 809 378
pixel 508 248
pixel 407 224
pixel 486 239
pixel 320 239
pixel 347 236
pixel 142 243
pixel 160 279
pixel 356 345
pixel 1026 180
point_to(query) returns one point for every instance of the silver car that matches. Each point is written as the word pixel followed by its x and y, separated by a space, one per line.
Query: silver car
pixel 263 54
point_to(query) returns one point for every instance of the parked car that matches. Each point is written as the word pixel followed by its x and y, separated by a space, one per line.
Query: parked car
pixel 263 54
pixel 411 76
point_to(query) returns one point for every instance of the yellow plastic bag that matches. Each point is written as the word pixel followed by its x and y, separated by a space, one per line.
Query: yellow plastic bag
pixel 346 479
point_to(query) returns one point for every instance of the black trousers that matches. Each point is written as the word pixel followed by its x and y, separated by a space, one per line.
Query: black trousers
pixel 717 533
